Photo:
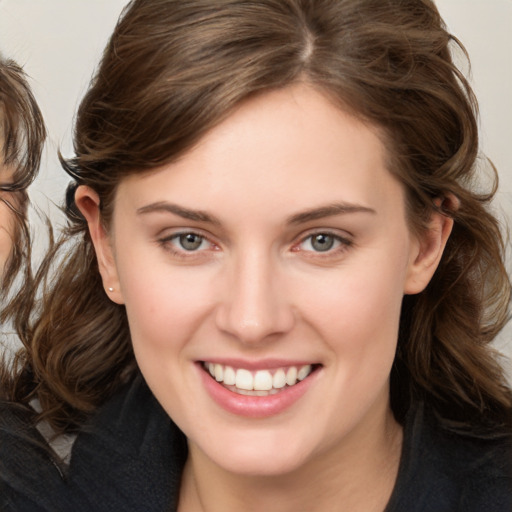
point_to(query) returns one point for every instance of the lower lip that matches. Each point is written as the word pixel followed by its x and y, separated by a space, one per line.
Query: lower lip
pixel 255 406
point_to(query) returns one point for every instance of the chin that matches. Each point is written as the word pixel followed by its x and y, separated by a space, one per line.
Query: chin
pixel 257 454
pixel 258 465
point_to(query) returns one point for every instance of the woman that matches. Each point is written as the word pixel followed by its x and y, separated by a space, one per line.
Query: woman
pixel 283 288
pixel 22 135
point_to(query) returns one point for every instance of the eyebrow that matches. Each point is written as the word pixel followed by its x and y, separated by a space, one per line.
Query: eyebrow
pixel 181 211
pixel 328 211
pixel 299 218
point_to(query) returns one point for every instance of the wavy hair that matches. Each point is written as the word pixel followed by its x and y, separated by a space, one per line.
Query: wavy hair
pixel 22 136
pixel 173 69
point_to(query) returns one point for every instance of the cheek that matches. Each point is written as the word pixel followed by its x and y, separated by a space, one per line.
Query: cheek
pixel 163 304
pixel 365 296
pixel 357 313
pixel 165 308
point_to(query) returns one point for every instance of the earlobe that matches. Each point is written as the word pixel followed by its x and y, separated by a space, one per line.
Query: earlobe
pixel 427 252
pixel 88 202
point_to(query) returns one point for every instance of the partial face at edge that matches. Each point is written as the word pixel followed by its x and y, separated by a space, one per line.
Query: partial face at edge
pixel 280 241
pixel 6 220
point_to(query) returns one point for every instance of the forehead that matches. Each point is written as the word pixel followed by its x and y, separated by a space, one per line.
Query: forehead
pixel 288 147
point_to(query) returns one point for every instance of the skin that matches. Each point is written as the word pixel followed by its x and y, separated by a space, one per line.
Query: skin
pixel 257 289
pixel 6 221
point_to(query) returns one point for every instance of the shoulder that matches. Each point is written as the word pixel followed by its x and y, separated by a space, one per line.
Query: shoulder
pixel 442 470
pixel 481 469
pixel 30 477
pixel 130 456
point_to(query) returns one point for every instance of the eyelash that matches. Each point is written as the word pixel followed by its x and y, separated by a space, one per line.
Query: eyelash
pixel 170 244
pixel 342 244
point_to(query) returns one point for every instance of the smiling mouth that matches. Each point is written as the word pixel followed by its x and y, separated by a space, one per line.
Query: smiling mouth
pixel 259 382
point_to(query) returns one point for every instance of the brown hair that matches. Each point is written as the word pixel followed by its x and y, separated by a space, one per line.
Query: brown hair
pixel 174 69
pixel 22 135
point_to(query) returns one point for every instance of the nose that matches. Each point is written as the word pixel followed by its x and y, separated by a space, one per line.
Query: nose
pixel 254 306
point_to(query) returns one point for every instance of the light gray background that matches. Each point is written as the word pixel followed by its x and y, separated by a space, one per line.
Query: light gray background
pixel 59 43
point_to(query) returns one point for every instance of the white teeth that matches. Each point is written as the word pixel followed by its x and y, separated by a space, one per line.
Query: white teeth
pixel 260 383
pixel 244 380
pixel 219 373
pixel 229 376
pixel 291 376
pixel 304 372
pixel 279 379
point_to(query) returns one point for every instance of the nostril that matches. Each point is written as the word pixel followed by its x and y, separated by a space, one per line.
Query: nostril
pixel 251 325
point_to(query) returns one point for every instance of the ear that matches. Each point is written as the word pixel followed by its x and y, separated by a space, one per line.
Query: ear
pixel 428 247
pixel 88 202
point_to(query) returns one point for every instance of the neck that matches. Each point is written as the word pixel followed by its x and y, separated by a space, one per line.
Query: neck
pixel 360 475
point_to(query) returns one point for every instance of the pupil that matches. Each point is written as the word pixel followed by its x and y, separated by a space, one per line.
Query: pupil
pixel 322 242
pixel 190 242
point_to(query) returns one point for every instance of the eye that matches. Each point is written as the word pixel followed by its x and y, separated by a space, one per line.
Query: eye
pixel 181 244
pixel 323 243
pixel 189 241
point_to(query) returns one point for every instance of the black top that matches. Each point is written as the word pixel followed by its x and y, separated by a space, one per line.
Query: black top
pixel 130 458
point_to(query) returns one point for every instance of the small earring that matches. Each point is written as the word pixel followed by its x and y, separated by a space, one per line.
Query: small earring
pixel 111 289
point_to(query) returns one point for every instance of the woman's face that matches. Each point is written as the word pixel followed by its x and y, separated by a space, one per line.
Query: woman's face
pixel 277 246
